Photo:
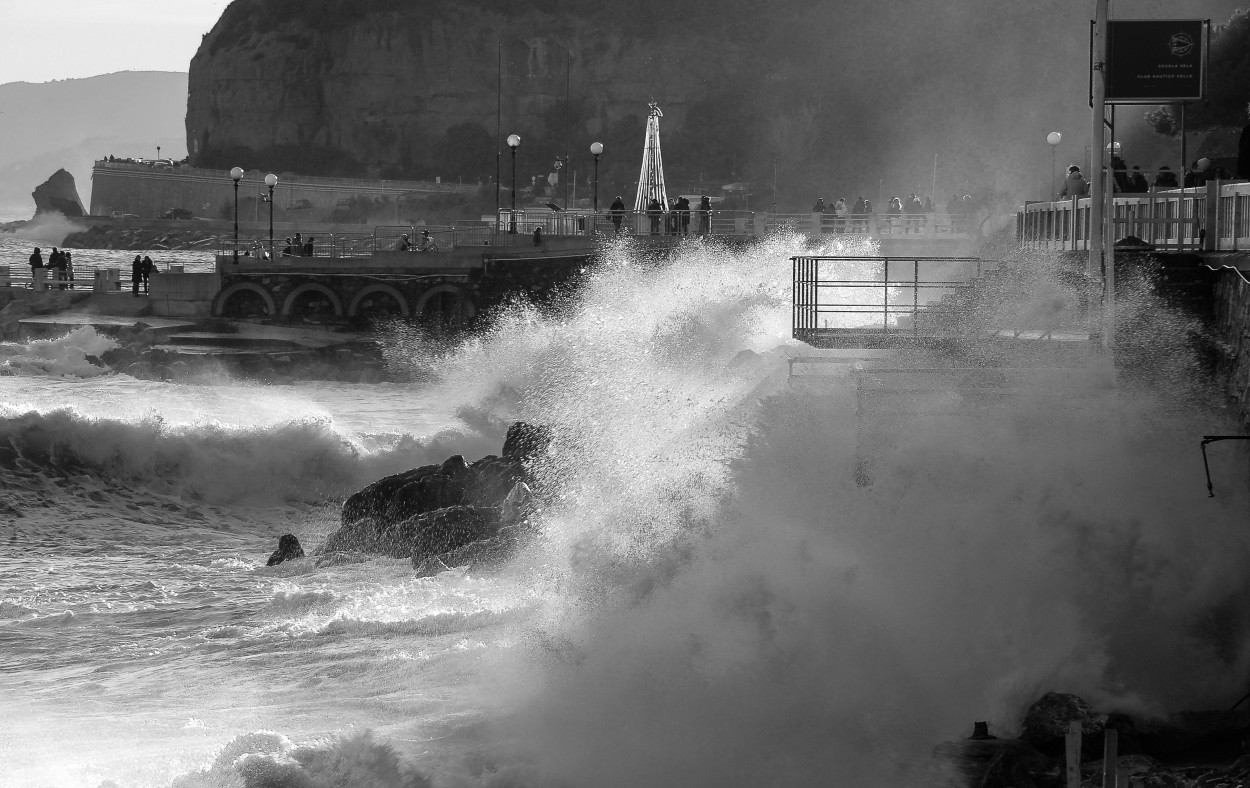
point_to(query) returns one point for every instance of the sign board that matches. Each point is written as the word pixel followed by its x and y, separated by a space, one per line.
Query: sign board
pixel 1156 61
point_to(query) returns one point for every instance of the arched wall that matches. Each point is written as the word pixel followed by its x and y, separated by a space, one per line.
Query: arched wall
pixel 224 296
pixel 392 292
pixel 335 301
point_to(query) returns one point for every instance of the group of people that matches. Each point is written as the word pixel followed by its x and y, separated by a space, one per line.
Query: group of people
pixel 297 246
pixel 60 265
pixel 141 269
pixel 1128 181
pixel 425 244
pixel 675 219
pixel 908 213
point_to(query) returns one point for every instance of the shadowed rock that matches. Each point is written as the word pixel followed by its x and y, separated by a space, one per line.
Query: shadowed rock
pixel 288 548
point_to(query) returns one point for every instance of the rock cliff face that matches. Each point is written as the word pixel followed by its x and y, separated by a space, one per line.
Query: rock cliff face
pixel 58 194
pixel 394 89
pixel 820 97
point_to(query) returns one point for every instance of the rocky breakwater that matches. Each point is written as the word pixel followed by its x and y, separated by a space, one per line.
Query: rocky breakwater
pixel 446 515
pixel 140 238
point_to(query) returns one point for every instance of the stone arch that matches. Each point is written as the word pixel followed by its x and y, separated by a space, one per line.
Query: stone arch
pixel 311 287
pixel 447 305
pixel 354 307
pixel 224 297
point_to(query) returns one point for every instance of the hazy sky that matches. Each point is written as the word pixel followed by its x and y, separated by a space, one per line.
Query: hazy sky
pixel 43 40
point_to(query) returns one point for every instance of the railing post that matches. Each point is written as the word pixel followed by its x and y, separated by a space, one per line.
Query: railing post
pixel 885 295
pixel 1072 751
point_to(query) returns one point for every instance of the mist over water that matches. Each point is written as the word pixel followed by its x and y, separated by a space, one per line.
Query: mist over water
pixel 741 579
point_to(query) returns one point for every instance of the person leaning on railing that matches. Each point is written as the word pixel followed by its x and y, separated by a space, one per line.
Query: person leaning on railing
pixel 1075 184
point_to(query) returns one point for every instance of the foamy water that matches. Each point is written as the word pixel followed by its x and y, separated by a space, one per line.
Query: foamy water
pixel 714 600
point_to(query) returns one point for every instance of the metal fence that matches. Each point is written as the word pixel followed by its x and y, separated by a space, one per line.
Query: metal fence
pixel 874 295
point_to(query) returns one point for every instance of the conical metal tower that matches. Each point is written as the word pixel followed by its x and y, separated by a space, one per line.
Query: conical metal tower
pixel 651 179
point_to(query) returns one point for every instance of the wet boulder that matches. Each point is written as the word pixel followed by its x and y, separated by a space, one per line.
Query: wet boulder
pixel 288 548
pixel 526 441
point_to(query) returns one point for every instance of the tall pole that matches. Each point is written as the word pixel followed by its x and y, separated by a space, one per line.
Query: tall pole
pixel 514 142
pixel 236 173
pixel 933 188
pixel 596 183
pixel 498 125
pixel 271 181
pixel 568 82
pixel 1094 262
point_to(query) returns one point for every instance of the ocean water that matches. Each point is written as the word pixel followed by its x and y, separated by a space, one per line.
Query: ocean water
pixel 717 597
pixel 49 231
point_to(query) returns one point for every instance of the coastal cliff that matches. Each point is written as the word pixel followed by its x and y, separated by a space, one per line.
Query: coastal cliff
pixel 389 89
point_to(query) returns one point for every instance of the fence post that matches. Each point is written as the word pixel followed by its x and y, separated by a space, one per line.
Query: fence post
pixel 1072 751
pixel 1110 759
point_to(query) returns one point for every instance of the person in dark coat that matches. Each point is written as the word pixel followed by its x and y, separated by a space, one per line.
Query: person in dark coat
pixel 1119 173
pixel 36 261
pixel 655 211
pixel 148 267
pixel 1137 182
pixel 705 215
pixel 136 275
pixel 308 247
pixel 1165 178
pixel 617 212
pixel 683 215
pixel 1075 184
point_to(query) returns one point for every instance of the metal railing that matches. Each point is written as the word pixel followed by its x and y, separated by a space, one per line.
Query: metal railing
pixel 1214 217
pixel 877 295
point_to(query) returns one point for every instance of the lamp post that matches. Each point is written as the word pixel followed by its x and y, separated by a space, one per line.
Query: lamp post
pixel 1052 139
pixel 236 174
pixel 271 181
pixel 595 149
pixel 514 142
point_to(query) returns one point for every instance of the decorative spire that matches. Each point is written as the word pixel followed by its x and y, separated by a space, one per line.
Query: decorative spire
pixel 651 179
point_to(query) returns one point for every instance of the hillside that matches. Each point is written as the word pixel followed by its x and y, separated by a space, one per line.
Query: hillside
pixel 70 123
pixel 829 97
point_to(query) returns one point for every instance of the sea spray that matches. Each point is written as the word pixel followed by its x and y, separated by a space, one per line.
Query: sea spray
pixel 739 610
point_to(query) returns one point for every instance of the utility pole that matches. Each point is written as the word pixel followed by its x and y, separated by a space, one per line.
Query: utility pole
pixel 1096 264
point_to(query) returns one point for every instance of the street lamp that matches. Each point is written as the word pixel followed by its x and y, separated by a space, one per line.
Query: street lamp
pixel 271 181
pixel 1052 139
pixel 514 142
pixel 236 174
pixel 595 149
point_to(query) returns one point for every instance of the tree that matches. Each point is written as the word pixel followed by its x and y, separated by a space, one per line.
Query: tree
pixel 1228 84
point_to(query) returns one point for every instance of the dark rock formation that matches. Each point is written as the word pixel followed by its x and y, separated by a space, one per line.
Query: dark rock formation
pixel 399 89
pixel 989 762
pixel 58 194
pixel 288 548
pixel 457 512
pixel 1045 723
pixel 525 441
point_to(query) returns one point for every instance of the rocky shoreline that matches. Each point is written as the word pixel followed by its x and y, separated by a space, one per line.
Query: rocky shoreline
pixel 447 515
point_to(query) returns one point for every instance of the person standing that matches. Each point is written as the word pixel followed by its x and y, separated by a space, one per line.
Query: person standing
pixel 617 212
pixel 69 266
pixel 839 212
pixel 683 215
pixel 136 275
pixel 1137 182
pixel 308 247
pixel 36 261
pixel 655 212
pixel 148 267
pixel 1165 178
pixel 1074 185
pixel 705 215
